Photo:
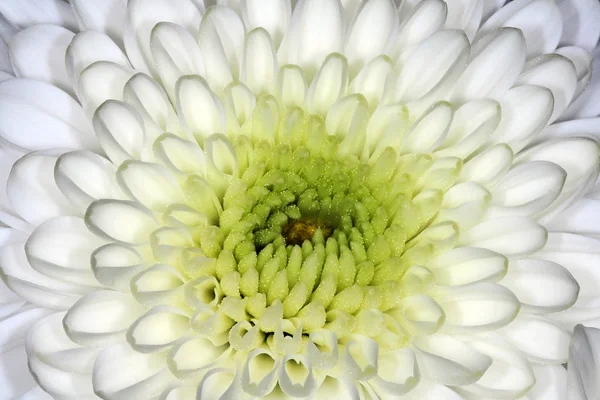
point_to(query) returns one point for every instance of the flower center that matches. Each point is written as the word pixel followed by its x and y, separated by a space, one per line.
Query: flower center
pixel 310 239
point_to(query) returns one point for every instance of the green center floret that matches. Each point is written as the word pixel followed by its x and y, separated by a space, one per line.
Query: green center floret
pixel 319 241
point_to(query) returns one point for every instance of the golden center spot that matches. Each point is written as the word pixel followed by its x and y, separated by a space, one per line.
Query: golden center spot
pixel 299 230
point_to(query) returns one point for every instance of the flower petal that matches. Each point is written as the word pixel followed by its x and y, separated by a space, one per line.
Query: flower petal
pixel 58 247
pixel 100 317
pixel 26 104
pixel 123 221
pixel 540 339
pixel 479 307
pixel 541 286
pixel 122 373
pixel 583 363
pixel 374 27
pixel 106 16
pixel 83 177
pixel 272 15
pixel 449 360
pixel 506 235
pixel 308 44
pixel 142 17
pixel 39 53
pixel 32 191
pixel 580 27
pixel 539 20
pixel 496 62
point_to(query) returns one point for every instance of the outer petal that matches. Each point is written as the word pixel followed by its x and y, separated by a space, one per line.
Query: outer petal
pixel 584 367
pixel 107 16
pixel 39 53
pixel 27 13
pixel 306 43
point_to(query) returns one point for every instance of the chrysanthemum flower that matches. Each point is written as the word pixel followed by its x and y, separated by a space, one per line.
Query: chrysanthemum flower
pixel 298 199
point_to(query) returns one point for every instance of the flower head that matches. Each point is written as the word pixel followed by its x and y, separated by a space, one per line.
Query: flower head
pixel 260 199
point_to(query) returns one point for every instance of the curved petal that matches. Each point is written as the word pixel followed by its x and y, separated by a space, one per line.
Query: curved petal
pixel 39 53
pixel 107 16
pixel 583 363
pixel 27 104
pixel 32 191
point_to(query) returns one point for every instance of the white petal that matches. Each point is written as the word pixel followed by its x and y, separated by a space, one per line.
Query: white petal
pixel 101 316
pixel 496 62
pixel 15 325
pixel 306 43
pixel 151 184
pixel 541 340
pixel 120 131
pixel 542 72
pixel 430 130
pixel 539 20
pixel 122 373
pixel 291 86
pixel 260 62
pixel 32 191
pixel 26 104
pixel 580 27
pixel 472 126
pixel 219 384
pixel 83 176
pixel 272 15
pixel 175 53
pixel 31 12
pixel 15 377
pixel 541 286
pixel 60 248
pixel 39 53
pixel 450 361
pixel 328 85
pixel 527 189
pixel 506 235
pixel 114 265
pixel 417 77
pixel 464 15
pixel 466 265
pixel 196 354
pixel 89 47
pixel 398 373
pixel 36 288
pixel 143 15
pixel 582 217
pixel 372 79
pixel 578 254
pixel 525 112
pixel 510 374
pixel 479 307
pixel 426 18
pixel 123 221
pixel 157 328
pixel 296 377
pixel 180 155
pixel 583 364
pixel 579 157
pixel 550 383
pixel 62 367
pixel 587 104
pixel 193 94
pixel 375 26
pixel 102 16
pixel 489 166
pixel 102 81
pixel 152 103
pixel 259 374
pixel 583 62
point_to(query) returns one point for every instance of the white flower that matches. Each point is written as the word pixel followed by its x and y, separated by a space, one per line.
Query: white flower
pixel 311 199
